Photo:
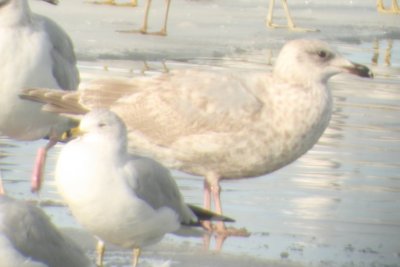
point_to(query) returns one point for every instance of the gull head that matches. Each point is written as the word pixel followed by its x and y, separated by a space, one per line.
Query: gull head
pixel 103 125
pixel 312 61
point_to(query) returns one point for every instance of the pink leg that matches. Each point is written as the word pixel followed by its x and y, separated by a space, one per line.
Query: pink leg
pixel 38 168
pixel 207 203
pixel 206 240
pixel 216 192
pixel 2 191
pixel 207 195
pixel 211 187
pixel 219 242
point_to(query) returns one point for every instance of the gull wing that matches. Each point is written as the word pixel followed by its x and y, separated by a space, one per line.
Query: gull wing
pixel 185 103
pixel 62 54
pixel 153 183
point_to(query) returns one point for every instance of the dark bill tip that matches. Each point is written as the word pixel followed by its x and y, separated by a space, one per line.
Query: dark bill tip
pixel 360 70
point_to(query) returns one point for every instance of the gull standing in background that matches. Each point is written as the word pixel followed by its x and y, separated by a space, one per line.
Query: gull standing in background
pixel 123 199
pixel 394 9
pixel 143 29
pixel 290 24
pixel 220 124
pixel 34 51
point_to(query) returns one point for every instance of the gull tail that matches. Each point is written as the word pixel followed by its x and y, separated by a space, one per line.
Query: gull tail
pixel 206 215
pixel 61 102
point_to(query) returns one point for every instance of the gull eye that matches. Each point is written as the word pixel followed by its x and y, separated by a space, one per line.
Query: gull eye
pixel 322 54
pixel 101 124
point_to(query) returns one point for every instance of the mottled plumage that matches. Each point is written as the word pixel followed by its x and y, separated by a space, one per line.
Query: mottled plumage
pixel 220 124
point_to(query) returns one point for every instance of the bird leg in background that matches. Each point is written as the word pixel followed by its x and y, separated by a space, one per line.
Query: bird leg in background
pixel 40 162
pixel 100 248
pixel 375 56
pixel 291 26
pixel 395 9
pixel 146 67
pixel 143 29
pixel 2 191
pixel 133 3
pixel 388 52
pixel 135 256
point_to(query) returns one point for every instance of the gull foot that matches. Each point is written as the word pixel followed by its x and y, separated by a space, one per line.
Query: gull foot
pixel 291 28
pixel 230 231
pixel 112 3
pixel 141 31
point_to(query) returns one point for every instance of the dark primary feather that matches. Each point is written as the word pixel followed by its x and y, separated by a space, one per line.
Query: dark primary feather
pixel 207 215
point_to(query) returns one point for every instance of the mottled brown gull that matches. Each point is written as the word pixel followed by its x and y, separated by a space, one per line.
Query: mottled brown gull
pixel 34 51
pixel 220 124
pixel 123 199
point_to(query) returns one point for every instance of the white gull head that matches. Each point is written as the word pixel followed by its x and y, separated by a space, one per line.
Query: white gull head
pixel 305 61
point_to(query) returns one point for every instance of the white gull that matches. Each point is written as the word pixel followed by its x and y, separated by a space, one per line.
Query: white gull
pixel 34 51
pixel 121 198
pixel 218 124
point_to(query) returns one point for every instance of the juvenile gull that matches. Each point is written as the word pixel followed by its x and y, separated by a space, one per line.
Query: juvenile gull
pixel 29 239
pixel 219 124
pixel 34 51
pixel 123 199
